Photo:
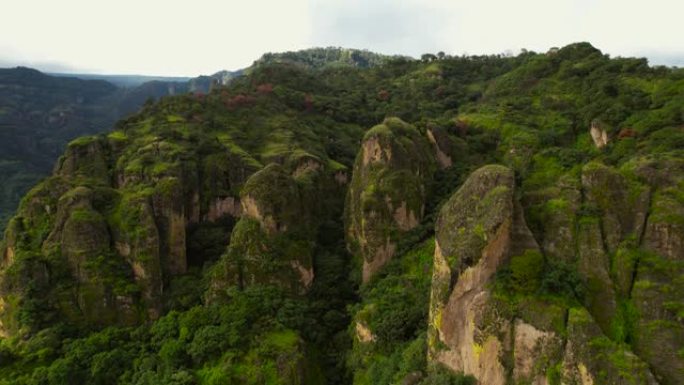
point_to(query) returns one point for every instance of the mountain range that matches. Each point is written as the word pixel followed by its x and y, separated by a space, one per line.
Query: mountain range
pixel 334 216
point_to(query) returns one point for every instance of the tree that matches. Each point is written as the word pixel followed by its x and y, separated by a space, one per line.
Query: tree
pixel 428 57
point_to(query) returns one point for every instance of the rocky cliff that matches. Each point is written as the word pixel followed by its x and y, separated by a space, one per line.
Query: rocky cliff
pixel 490 317
pixel 388 191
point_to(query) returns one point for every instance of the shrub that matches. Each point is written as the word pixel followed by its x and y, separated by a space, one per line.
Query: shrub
pixel 526 272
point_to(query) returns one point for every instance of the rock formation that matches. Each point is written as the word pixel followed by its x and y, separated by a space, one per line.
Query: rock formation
pixel 500 337
pixel 388 191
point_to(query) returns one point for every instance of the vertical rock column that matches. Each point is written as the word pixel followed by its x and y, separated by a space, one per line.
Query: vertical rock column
pixel 388 191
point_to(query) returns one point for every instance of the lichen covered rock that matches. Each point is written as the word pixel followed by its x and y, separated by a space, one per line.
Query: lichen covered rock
pixel 473 239
pixel 274 241
pixel 87 158
pixel 481 231
pixel 96 243
pixel 388 191
pixel 592 358
pixel 658 289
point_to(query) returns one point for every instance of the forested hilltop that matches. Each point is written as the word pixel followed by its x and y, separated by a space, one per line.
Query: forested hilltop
pixel 450 220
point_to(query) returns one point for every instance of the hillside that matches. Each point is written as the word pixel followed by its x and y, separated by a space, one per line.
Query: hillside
pixel 124 81
pixel 453 220
pixel 40 113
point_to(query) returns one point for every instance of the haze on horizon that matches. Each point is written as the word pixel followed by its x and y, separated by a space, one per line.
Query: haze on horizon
pixel 165 38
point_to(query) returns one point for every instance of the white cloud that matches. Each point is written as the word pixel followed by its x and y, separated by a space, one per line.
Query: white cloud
pixel 202 36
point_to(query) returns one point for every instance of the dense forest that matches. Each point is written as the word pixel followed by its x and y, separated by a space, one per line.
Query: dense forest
pixel 340 217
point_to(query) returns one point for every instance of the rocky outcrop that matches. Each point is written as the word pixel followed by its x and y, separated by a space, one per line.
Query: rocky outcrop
pixel 223 175
pixel 273 242
pixel 363 333
pixel 598 135
pixel 273 200
pixel 82 235
pixel 658 289
pixel 481 232
pixel 221 207
pixel 442 146
pixel 473 239
pixel 85 158
pixel 110 228
pixel 591 220
pixel 534 351
pixel 594 266
pixel 620 204
pixel 271 197
pixel 556 208
pixel 388 191
pixel 592 358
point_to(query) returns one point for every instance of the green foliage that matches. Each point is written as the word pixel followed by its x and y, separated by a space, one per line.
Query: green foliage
pixel 406 360
pixel 531 274
pixel 188 155
pixel 562 279
pixel 394 306
pixel 178 348
pixel 316 58
pixel 399 299
pixel 624 323
pixel 526 272
pixel 439 375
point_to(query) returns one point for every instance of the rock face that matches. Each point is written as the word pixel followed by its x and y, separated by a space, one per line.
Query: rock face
pixel 658 288
pixel 273 210
pixel 96 243
pixel 442 146
pixel 388 191
pixel 598 135
pixel 481 233
pixel 474 237
pixel 592 358
pixel 86 158
pixel 273 243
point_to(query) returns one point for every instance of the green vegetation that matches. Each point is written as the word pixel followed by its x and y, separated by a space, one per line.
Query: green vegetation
pixel 243 342
pixel 216 238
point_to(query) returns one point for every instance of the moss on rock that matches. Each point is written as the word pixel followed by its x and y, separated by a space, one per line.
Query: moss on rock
pixel 388 191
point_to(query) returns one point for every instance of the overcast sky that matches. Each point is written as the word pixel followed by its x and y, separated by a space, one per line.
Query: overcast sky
pixel 188 38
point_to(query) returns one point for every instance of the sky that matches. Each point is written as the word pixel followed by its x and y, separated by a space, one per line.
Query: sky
pixel 189 38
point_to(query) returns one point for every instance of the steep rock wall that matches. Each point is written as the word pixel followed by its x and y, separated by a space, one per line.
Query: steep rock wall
pixel 503 338
pixel 388 191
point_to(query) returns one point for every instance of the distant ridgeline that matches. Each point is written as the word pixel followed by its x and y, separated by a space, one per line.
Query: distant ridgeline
pixel 316 58
pixel 336 216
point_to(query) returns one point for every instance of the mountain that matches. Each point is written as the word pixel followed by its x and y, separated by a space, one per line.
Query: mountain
pixel 124 81
pixel 450 220
pixel 40 113
pixel 317 58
